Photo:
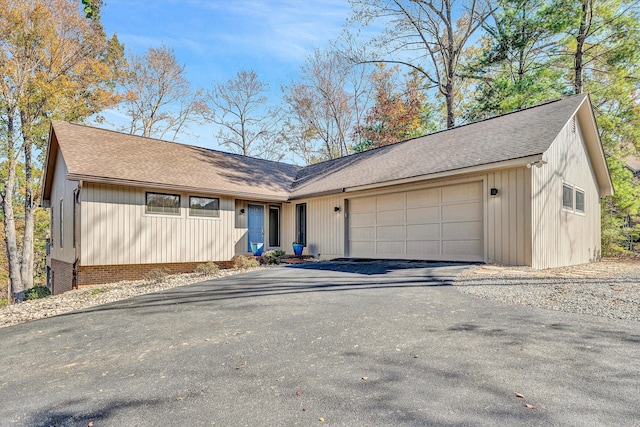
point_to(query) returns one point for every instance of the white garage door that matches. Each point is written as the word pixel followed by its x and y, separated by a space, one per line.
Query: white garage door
pixel 444 223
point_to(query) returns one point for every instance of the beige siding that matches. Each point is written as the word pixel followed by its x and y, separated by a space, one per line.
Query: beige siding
pixel 509 217
pixel 561 237
pixel 62 189
pixel 116 230
pixel 325 227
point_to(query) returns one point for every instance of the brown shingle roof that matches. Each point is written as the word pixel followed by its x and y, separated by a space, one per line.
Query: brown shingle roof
pixel 516 135
pixel 107 156
pixel 103 155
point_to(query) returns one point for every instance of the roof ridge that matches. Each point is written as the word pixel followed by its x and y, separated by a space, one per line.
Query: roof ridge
pixel 182 144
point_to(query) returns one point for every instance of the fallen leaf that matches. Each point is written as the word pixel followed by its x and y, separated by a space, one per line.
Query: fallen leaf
pixel 178 398
pixel 365 378
pixel 90 424
pixel 530 406
pixel 240 366
pixel 298 393
pixel 304 409
pixel 321 420
pixel 521 396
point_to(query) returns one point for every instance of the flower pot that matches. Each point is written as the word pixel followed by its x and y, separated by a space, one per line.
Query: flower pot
pixel 257 248
pixel 297 249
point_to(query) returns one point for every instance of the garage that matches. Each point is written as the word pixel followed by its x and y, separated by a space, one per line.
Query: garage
pixel 442 223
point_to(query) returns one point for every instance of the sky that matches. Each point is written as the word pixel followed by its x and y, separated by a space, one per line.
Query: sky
pixel 215 39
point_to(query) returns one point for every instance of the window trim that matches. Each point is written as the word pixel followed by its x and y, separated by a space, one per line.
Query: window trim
pixel 564 206
pixel 577 190
pixel 173 214
pixel 278 235
pixel 301 226
pixel 190 215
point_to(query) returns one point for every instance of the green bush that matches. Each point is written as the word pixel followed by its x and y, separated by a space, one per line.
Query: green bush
pixel 3 302
pixel 273 256
pixel 156 275
pixel 37 292
pixel 242 262
pixel 207 269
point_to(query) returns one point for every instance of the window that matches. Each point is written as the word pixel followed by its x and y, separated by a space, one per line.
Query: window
pixel 163 203
pixel 274 226
pixel 204 207
pixel 567 196
pixel 301 223
pixel 579 201
pixel 61 223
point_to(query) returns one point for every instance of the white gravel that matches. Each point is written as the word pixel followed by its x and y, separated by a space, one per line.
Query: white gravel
pixel 610 288
pixel 99 294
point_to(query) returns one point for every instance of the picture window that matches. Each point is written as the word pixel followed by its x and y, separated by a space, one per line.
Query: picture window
pixel 204 207
pixel 158 203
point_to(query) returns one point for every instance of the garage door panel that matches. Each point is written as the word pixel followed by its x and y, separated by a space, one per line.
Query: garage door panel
pixel 362 249
pixel 462 192
pixel 426 197
pixel 423 215
pixel 423 232
pixel 388 202
pixel 390 217
pixel 364 204
pixel 462 247
pixel 424 247
pixel 390 232
pixel 360 219
pixel 444 223
pixel 390 248
pixel 363 233
pixel 462 212
pixel 462 230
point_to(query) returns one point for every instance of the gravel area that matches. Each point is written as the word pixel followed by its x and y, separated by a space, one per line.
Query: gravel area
pixel 99 294
pixel 610 288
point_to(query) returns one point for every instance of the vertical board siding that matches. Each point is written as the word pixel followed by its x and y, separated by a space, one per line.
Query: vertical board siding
pixel 63 189
pixel 116 230
pixel 509 217
pixel 561 237
pixel 325 227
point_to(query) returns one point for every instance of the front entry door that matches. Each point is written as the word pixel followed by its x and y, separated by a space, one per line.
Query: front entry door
pixel 256 225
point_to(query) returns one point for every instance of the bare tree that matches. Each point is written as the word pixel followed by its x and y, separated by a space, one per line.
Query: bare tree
pixel 247 125
pixel 158 97
pixel 325 108
pixel 426 35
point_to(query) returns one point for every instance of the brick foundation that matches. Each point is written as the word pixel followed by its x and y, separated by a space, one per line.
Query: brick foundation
pixel 62 276
pixel 99 274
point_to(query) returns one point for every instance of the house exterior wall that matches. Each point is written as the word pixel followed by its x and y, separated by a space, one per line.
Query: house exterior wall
pixel 116 230
pixel 62 253
pixel 507 218
pixel 561 237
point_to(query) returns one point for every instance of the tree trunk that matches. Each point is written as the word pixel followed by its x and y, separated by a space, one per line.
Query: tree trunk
pixel 578 84
pixel 26 269
pixel 16 288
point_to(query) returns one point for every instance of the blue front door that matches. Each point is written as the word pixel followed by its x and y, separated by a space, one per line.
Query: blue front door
pixel 256 225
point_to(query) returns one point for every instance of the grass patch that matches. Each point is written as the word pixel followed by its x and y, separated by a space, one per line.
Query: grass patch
pixel 207 269
pixel 242 262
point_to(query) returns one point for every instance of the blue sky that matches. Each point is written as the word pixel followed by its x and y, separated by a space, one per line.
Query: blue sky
pixel 215 39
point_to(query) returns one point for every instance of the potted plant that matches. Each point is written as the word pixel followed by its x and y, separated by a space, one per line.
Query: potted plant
pixel 297 248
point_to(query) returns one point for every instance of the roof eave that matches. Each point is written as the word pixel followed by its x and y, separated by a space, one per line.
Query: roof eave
pixel 594 147
pixel 183 188
pixel 49 167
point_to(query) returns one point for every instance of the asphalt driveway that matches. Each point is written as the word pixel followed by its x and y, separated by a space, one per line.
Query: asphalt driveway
pixel 349 344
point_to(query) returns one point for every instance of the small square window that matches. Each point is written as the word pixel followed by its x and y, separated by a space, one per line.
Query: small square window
pixel 159 203
pixel 204 207
pixel 579 201
pixel 567 196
